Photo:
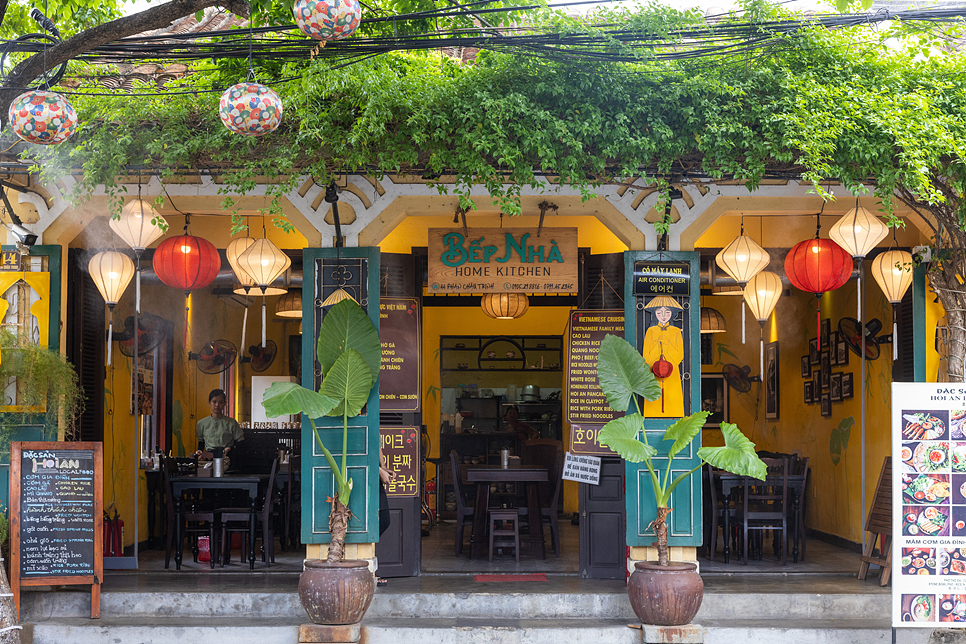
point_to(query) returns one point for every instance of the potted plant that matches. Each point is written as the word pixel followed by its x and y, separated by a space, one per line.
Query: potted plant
pixel 335 591
pixel 663 593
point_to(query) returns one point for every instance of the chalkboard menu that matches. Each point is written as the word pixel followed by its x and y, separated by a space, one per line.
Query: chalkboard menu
pixel 400 371
pixel 56 516
pixel 586 403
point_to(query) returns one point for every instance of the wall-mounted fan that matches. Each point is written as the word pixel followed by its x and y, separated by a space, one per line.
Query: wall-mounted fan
pixel 150 333
pixel 739 378
pixel 261 357
pixel 215 357
pixel 849 328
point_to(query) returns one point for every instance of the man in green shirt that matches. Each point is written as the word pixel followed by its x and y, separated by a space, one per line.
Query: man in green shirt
pixel 217 430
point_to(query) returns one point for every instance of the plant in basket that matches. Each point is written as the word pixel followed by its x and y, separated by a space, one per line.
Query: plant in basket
pixel 335 591
pixel 664 593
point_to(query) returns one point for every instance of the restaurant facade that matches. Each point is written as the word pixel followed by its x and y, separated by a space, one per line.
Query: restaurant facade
pixel 424 270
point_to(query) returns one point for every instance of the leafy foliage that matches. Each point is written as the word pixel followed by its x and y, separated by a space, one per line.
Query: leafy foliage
pixel 626 373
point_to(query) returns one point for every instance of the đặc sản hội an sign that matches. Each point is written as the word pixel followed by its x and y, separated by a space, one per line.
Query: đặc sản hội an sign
pixel 503 260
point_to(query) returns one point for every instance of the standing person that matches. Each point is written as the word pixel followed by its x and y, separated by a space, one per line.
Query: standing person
pixel 386 476
pixel 514 424
pixel 217 430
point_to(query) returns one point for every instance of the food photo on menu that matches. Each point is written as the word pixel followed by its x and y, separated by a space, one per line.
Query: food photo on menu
pixel 918 561
pixel 952 608
pixel 926 456
pixel 930 521
pixel 918 608
pixel 957 424
pixel 951 561
pixel 925 425
pixel 926 488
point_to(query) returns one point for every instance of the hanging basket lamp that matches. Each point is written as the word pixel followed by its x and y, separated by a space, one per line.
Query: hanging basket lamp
pixel 327 19
pixel 505 306
pixel 290 304
pixel 250 109
pixel 712 321
pixel 42 117
pixel 111 272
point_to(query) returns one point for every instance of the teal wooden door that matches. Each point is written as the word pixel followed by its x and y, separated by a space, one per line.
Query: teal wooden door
pixel 684 527
pixel 324 271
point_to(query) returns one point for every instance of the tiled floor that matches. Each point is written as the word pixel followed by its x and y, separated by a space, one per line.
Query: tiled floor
pixel 439 553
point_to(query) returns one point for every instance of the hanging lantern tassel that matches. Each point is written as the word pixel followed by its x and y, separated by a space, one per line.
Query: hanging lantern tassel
pixel 742 320
pixel 137 290
pixel 895 335
pixel 186 307
pixel 110 332
pixel 244 328
pixel 818 320
pixel 761 353
pixel 263 323
pixel 858 295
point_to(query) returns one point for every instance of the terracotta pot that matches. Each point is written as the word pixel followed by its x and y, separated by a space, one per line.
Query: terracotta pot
pixel 665 595
pixel 336 593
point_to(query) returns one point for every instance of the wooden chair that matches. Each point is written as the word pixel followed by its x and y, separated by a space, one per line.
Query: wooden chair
pixel 239 518
pixel 502 516
pixel 194 521
pixel 800 466
pixel 715 515
pixel 292 505
pixel 542 452
pixel 464 511
pixel 765 507
pixel 878 524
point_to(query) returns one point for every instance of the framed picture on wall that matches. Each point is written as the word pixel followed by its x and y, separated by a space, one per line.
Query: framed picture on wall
pixel 846 385
pixel 826 332
pixel 816 383
pixel 813 357
pixel 714 398
pixel 832 343
pixel 842 351
pixel 771 380
pixel 826 404
pixel 809 392
pixel 835 387
pixel 806 367
pixel 826 370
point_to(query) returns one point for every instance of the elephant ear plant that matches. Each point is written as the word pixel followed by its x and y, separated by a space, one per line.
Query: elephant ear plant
pixel 624 375
pixel 349 353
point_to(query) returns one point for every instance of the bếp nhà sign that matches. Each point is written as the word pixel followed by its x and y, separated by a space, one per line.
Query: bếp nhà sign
pixel 503 260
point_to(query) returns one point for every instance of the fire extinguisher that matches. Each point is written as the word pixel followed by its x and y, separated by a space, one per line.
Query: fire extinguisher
pixel 118 535
pixel 108 531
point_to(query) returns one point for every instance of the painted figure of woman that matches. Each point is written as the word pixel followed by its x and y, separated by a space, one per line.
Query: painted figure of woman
pixel 664 352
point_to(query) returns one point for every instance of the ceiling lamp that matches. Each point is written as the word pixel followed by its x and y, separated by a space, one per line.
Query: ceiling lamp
pixel 290 304
pixel 712 321
pixel 139 225
pixel 245 281
pixel 505 306
pixel 816 266
pixel 742 259
pixel 858 232
pixel 327 19
pixel 111 272
pixel 761 296
pixel 250 109
pixel 186 262
pixel 264 262
pixel 42 117
pixel 893 272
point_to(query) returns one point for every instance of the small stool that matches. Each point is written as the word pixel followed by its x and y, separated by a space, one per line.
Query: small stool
pixel 506 515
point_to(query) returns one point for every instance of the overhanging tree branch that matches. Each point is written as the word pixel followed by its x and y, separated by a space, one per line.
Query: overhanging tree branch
pixel 154 18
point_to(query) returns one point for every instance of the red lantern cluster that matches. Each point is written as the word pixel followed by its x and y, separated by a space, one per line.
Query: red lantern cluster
pixel 186 262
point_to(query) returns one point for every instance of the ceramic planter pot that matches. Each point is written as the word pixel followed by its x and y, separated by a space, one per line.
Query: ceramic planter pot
pixel 336 593
pixel 665 595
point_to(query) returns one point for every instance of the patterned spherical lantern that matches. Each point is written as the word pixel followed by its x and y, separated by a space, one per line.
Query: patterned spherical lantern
pixel 505 306
pixel 250 109
pixel 186 262
pixel 42 117
pixel 816 266
pixel 327 19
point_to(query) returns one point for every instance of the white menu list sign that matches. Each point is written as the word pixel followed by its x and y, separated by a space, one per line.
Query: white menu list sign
pixel 929 504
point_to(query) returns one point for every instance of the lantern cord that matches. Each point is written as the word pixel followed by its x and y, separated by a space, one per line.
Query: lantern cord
pixel 761 352
pixel 895 335
pixel 818 320
pixel 263 322
pixel 137 282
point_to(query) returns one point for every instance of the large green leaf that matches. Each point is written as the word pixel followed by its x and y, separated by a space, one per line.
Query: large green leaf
pixel 349 382
pixel 684 430
pixel 288 398
pixel 622 372
pixel 346 326
pixel 736 456
pixel 620 435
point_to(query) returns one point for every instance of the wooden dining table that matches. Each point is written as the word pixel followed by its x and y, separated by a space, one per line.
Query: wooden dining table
pixel 244 482
pixel 484 476
pixel 732 482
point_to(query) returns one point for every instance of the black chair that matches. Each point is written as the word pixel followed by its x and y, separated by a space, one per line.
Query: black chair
pixel 194 521
pixel 549 511
pixel 236 521
pixel 765 507
pixel 715 515
pixel 548 493
pixel 800 466
pixel 464 511
pixel 292 505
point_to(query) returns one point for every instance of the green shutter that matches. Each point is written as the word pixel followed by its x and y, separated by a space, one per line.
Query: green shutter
pixel 324 270
pixel 684 528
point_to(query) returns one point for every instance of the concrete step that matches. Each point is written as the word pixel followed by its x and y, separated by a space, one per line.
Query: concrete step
pixel 283 603
pixel 243 630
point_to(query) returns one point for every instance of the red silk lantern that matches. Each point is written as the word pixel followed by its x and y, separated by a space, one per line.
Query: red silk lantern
pixel 817 266
pixel 186 262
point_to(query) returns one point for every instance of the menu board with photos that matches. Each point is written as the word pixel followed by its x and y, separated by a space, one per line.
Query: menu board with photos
pixel 929 504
